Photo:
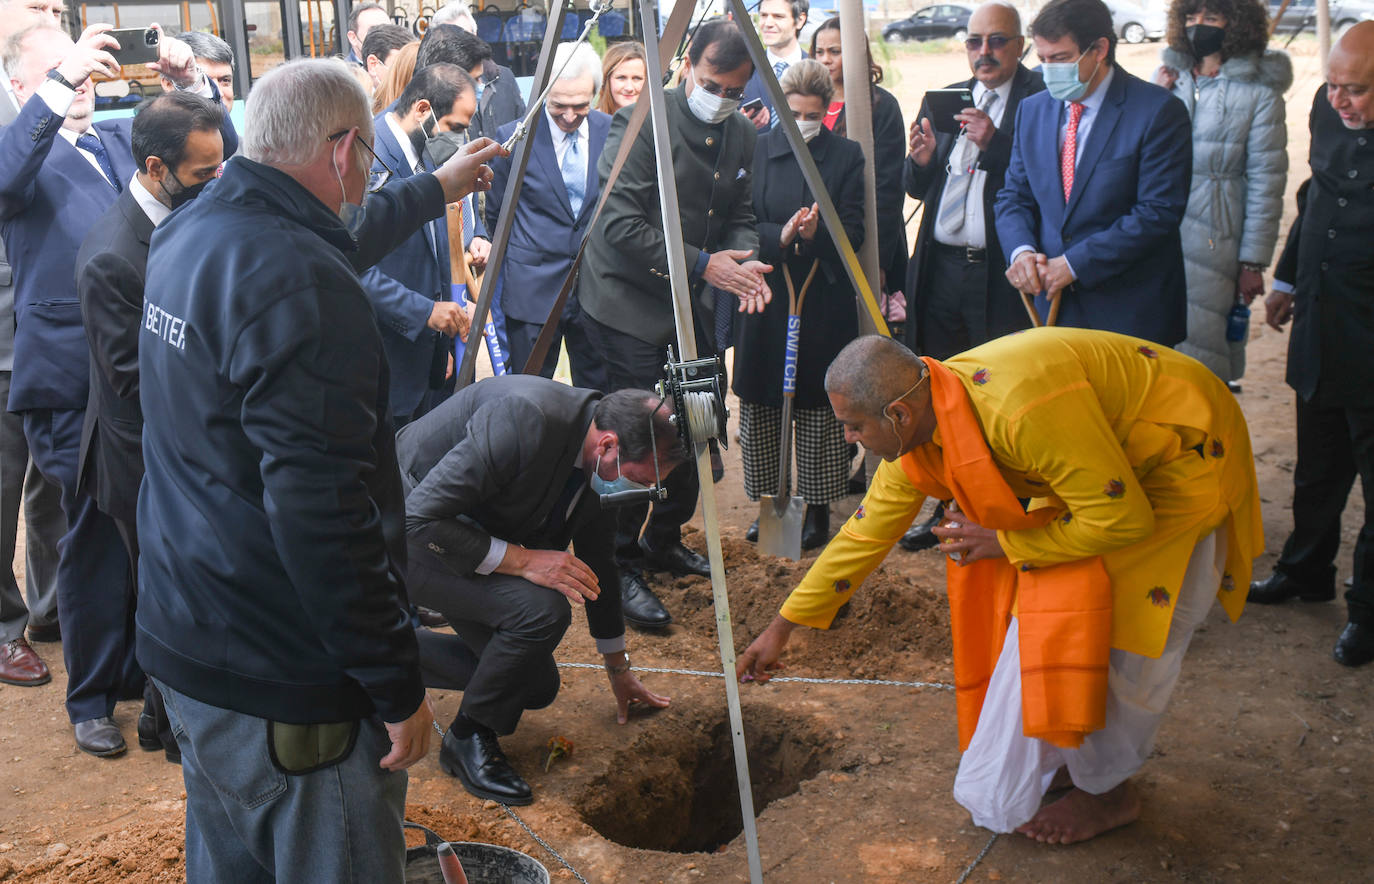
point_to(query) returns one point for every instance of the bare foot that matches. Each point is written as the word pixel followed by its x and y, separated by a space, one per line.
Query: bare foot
pixel 1080 815
pixel 1061 781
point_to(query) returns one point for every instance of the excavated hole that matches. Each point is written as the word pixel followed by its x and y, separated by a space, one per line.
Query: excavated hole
pixel 678 792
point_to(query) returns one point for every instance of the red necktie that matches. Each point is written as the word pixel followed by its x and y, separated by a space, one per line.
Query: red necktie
pixel 1069 153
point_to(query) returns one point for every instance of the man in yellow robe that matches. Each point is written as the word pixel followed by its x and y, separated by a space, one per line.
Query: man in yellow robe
pixel 1071 615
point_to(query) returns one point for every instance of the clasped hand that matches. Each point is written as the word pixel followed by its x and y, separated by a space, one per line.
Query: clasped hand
pixel 730 270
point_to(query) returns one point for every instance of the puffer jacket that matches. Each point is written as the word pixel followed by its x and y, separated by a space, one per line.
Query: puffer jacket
pixel 1240 163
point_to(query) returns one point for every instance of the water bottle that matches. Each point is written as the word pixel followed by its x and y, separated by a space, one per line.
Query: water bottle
pixel 1238 323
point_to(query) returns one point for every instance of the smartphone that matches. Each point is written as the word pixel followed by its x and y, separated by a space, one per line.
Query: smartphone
pixel 136 45
pixel 752 105
pixel 943 104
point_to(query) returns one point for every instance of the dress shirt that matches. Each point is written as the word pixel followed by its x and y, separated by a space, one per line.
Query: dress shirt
pixel 788 60
pixel 560 140
pixel 156 211
pixel 1085 125
pixel 963 155
pixel 404 141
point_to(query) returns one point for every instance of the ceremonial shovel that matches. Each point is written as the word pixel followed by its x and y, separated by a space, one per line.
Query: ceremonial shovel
pixel 780 516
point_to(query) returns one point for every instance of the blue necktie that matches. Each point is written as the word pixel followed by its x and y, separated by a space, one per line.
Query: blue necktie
pixel 92 145
pixel 778 68
pixel 575 174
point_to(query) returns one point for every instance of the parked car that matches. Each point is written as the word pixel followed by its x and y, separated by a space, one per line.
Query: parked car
pixel 930 23
pixel 1301 15
pixel 1135 23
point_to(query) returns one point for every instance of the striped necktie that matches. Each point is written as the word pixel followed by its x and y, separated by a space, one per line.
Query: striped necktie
pixel 952 208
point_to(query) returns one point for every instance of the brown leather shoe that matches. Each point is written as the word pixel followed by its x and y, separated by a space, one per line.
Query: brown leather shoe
pixel 19 665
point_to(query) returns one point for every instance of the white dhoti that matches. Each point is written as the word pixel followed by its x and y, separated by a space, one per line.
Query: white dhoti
pixel 1003 775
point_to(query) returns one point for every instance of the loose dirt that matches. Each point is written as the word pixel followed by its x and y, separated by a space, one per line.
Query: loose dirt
pixel 1260 773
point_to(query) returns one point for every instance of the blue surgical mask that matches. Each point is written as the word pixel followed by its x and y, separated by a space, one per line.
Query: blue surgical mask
pixel 1061 78
pixel 616 485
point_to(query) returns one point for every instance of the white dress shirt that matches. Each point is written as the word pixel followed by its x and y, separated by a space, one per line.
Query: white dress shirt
pixel 962 156
pixel 561 140
pixel 403 140
pixel 156 211
pixel 789 60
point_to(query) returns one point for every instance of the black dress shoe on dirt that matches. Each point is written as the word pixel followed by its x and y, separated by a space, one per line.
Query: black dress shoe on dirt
pixel 1355 647
pixel 815 527
pixel 676 559
pixel 920 536
pixel 477 760
pixel 99 737
pixel 1279 587
pixel 50 633
pixel 752 535
pixel 641 607
pixel 147 732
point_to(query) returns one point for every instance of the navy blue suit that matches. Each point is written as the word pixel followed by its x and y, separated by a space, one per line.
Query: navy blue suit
pixel 403 287
pixel 50 196
pixel 755 89
pixel 544 241
pixel 1119 228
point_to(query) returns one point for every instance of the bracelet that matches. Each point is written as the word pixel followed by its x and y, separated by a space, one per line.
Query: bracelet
pixel 1253 267
pixel 195 83
pixel 618 668
pixel 55 76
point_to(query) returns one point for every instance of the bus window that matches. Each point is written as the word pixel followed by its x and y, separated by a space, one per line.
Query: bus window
pixel 265 48
pixel 319 36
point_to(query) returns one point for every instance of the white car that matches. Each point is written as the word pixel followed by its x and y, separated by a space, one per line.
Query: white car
pixel 1135 23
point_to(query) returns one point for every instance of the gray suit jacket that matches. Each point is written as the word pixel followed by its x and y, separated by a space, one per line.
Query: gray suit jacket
pixel 624 279
pixel 494 460
pixel 8 111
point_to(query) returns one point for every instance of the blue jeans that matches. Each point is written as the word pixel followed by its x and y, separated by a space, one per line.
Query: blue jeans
pixel 248 822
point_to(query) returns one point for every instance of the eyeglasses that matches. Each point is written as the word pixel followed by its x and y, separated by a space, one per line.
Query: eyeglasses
pixel 376 178
pixel 717 89
pixel 994 41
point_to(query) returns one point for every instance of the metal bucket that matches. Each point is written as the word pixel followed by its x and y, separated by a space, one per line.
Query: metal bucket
pixel 482 863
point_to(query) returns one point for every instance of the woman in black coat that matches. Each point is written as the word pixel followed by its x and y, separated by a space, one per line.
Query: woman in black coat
pixel 790 232
pixel 889 151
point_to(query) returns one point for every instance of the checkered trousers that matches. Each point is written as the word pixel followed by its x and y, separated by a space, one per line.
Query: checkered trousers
pixel 823 458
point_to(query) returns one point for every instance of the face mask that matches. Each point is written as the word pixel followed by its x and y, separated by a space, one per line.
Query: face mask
pixel 618 484
pixel 1205 39
pixel 809 128
pixel 351 214
pixel 184 194
pixel 444 145
pixel 707 107
pixel 1061 79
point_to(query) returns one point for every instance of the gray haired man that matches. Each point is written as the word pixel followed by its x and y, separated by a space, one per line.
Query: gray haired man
pixel 272 607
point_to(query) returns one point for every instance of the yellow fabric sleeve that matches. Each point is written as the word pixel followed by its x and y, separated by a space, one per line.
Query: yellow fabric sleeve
pixel 1066 439
pixel 887 511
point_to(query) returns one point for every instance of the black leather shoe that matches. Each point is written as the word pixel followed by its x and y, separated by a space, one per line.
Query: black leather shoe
pixel 50 633
pixel 1279 587
pixel 815 527
pixel 676 559
pixel 1355 647
pixel 147 731
pixel 478 761
pixel 919 536
pixel 752 535
pixel 642 608
pixel 99 737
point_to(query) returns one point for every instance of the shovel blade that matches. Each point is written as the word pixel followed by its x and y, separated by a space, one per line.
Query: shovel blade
pixel 780 529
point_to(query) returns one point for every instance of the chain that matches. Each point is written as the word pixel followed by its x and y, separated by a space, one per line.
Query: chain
pixel 971 866
pixel 869 682
pixel 544 844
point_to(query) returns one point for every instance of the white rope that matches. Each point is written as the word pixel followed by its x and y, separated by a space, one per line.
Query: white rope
pixel 866 682
pixel 700 408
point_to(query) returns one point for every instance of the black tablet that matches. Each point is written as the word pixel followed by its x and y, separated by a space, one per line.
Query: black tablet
pixel 943 104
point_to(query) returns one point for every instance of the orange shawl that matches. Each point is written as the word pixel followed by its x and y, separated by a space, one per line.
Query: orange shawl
pixel 1064 611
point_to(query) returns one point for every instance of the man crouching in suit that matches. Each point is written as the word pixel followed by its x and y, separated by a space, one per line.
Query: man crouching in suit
pixel 499 480
pixel 178 148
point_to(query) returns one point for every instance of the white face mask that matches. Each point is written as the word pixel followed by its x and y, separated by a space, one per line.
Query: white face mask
pixel 809 128
pixel 707 107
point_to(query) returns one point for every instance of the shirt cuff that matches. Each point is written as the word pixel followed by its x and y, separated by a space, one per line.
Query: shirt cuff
pixel 495 553
pixel 1281 286
pixel 611 645
pixel 1070 266
pixel 57 97
pixel 703 258
pixel 1018 251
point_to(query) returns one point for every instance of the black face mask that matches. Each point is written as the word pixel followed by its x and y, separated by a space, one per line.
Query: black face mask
pixel 184 194
pixel 1205 40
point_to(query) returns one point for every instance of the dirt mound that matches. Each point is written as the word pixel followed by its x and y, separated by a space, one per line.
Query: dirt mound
pixel 153 853
pixel 896 625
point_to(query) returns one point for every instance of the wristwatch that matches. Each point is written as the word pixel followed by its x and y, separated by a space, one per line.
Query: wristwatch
pixel 1253 268
pixel 618 668
pixel 54 75
pixel 195 83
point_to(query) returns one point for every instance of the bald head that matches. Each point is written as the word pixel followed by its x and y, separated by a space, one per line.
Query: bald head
pixel 1350 76
pixel 872 371
pixel 995 22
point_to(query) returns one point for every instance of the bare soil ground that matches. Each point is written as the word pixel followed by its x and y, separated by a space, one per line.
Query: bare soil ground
pixel 1261 771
